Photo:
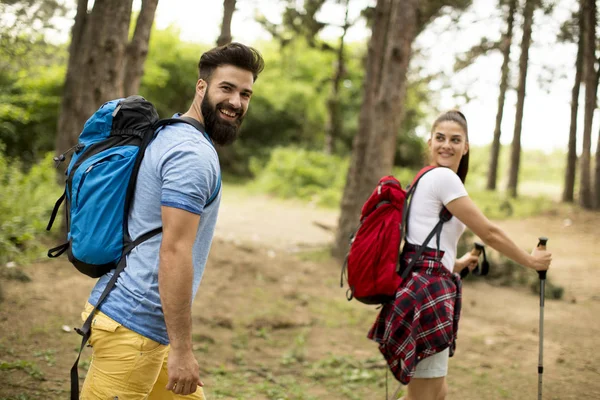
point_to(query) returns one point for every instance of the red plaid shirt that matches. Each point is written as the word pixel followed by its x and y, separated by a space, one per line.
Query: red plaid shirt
pixel 423 319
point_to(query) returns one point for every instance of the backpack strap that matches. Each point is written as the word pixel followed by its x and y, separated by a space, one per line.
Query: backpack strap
pixel 409 193
pixel 186 120
pixel 85 330
pixel 435 231
pixel 444 217
pixel 55 210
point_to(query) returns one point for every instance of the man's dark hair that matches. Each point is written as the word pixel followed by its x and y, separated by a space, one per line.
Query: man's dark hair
pixel 235 54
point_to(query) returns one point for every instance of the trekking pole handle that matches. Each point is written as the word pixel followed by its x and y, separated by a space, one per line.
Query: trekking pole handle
pixel 476 251
pixel 542 246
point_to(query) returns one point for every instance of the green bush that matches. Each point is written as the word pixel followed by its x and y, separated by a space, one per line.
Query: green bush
pixel 302 174
pixel 498 206
pixel 25 205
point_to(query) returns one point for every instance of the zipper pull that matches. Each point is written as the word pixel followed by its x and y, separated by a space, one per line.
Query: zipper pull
pixel 62 157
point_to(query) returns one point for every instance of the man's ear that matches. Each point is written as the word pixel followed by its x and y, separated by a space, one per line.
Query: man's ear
pixel 201 86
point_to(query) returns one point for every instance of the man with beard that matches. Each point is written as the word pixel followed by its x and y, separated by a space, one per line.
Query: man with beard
pixel 141 335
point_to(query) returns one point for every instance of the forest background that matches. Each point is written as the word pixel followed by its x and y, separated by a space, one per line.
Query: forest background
pixel 348 95
pixel 316 138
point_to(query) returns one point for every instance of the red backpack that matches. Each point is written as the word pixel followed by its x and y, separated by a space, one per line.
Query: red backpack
pixel 372 262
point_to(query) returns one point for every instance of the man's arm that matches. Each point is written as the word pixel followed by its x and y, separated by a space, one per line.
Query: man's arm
pixel 175 276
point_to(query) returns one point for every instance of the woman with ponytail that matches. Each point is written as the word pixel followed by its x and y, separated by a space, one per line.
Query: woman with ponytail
pixel 417 332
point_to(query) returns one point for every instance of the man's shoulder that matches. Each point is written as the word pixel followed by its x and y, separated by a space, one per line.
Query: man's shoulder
pixel 183 138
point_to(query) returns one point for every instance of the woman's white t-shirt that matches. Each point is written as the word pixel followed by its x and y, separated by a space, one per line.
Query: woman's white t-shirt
pixel 436 188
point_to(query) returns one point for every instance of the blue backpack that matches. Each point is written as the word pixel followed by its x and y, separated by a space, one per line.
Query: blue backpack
pixel 100 183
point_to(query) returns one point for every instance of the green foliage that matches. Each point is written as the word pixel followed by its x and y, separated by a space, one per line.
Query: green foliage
pixel 540 175
pixel 25 205
pixel 31 77
pixel 29 107
pixel 411 148
pixel 302 174
pixel 288 108
pixel 29 367
pixel 170 72
pixel 313 176
pixel 22 28
pixel 289 103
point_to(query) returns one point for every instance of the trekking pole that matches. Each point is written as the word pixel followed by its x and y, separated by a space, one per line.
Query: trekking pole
pixel 477 249
pixel 542 246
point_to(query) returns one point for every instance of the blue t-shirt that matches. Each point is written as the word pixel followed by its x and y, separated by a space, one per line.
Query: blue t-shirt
pixel 180 169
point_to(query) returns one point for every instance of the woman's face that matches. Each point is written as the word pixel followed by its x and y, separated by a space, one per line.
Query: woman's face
pixel 447 144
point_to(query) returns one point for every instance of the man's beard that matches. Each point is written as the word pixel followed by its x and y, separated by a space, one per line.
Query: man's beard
pixel 220 131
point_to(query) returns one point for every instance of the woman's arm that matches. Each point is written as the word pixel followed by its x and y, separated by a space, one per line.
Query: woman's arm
pixel 468 213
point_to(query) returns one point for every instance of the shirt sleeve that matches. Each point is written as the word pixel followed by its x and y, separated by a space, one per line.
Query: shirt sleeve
pixel 189 173
pixel 449 187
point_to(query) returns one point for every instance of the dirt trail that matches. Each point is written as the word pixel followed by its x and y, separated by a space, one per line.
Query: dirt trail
pixel 268 222
pixel 499 325
pixel 268 325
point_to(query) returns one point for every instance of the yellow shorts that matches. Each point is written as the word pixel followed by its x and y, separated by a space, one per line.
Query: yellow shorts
pixel 126 365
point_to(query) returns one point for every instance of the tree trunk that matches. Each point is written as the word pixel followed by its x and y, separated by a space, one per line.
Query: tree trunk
pixel 96 60
pixel 351 201
pixel 569 189
pixel 228 9
pixel 390 48
pixel 589 24
pixel 137 49
pixel 506 43
pixel 71 104
pixel 515 158
pixel 95 67
pixel 335 123
pixel 596 201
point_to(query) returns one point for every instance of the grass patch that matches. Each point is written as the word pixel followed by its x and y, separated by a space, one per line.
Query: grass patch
pixel 257 382
pixel 297 354
pixel 21 396
pixel 337 313
pixel 342 375
pixel 315 255
pixel 46 355
pixel 354 378
pixel 29 367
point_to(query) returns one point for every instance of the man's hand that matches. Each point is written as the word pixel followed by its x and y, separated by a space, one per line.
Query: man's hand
pixel 183 371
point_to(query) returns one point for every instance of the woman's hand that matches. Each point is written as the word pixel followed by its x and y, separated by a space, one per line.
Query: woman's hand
pixel 467 261
pixel 540 259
